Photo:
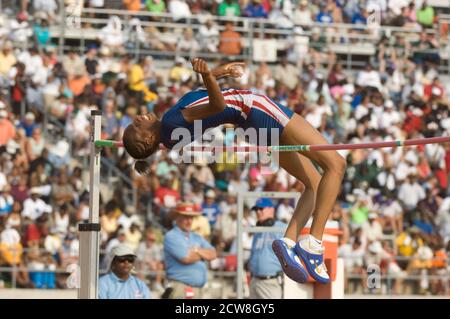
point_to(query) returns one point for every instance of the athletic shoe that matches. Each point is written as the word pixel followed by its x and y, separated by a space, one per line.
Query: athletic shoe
pixel 289 261
pixel 313 261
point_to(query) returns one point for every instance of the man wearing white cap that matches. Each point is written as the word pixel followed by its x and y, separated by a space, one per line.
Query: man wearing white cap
pixel 118 283
pixel 34 207
pixel 210 209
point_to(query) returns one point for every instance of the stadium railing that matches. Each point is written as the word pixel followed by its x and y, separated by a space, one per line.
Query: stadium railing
pixel 250 29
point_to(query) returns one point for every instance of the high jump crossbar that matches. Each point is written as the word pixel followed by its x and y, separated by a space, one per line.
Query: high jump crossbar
pixel 296 148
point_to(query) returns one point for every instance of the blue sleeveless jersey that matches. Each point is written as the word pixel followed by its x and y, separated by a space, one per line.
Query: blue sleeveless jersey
pixel 243 108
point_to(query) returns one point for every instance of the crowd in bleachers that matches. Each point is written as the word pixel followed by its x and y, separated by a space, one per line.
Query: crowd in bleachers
pixel 393 203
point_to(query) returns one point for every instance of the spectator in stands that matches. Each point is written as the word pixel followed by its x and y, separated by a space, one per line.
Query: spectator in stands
pixel 72 63
pixel 34 207
pixel 302 14
pixel 7 129
pixel 286 73
pixel 63 192
pixel 42 33
pixel 230 40
pixel 20 29
pixel 180 72
pixel 185 254
pixel 46 7
pixel 29 125
pixel 7 59
pixel 266 271
pixel 255 10
pixel 369 77
pixel 229 8
pixel 132 5
pixel 112 35
pixel 209 36
pixel 179 10
pixel 411 192
pixel 119 283
pixel 133 235
pixel 372 229
pixel 165 199
pixel 425 15
pixel 6 202
pixel 91 60
pixel 155 6
pixel 188 43
pixel 210 209
pixel 150 259
pixel 325 14
pixel 137 82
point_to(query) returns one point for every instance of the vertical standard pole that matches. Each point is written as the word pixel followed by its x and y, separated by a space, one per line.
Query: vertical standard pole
pixel 89 232
pixel 62 30
pixel 240 248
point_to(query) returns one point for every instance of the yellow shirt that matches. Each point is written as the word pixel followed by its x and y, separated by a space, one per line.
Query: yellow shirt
pixel 200 225
pixel 11 254
pixel 6 63
pixel 179 74
pixel 136 78
pixel 406 246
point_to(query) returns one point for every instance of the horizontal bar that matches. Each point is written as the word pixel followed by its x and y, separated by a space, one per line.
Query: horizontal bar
pixel 296 148
pixel 108 143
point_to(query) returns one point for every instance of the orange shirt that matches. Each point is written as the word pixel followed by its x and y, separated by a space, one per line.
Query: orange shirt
pixel 132 5
pixel 77 85
pixel 7 131
pixel 230 43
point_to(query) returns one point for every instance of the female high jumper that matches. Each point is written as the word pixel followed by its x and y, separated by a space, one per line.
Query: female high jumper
pixel 245 109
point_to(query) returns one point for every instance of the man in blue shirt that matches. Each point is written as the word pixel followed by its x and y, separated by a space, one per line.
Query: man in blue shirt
pixel 255 10
pixel 210 209
pixel 185 254
pixel 325 14
pixel 118 283
pixel 267 274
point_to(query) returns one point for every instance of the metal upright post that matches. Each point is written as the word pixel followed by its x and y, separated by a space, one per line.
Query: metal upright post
pixel 62 30
pixel 89 232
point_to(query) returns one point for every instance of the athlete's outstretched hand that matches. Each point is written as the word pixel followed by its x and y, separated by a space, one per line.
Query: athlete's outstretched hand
pixel 200 66
pixel 233 69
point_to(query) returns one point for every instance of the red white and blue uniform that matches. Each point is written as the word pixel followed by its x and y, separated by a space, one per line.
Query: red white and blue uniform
pixel 243 109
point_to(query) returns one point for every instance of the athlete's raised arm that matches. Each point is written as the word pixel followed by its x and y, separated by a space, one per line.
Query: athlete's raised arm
pixel 216 103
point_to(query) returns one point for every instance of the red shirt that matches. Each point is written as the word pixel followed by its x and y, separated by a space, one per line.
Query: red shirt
pixel 32 233
pixel 167 197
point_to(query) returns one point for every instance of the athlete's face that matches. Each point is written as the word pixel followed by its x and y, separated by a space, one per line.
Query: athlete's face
pixel 148 126
pixel 145 122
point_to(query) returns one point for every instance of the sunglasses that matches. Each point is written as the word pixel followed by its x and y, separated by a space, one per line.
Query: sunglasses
pixel 122 259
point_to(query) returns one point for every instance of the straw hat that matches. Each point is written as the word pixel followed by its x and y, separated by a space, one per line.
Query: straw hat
pixel 185 209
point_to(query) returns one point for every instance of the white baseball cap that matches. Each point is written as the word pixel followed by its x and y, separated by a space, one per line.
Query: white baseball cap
pixel 210 194
pixel 30 116
pixel 119 251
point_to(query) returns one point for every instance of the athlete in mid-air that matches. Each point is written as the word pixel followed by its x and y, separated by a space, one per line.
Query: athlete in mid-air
pixel 214 107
